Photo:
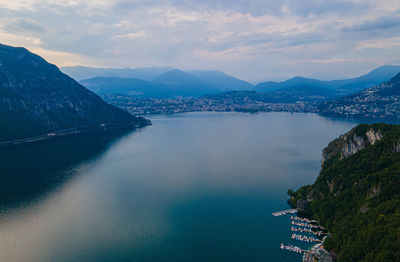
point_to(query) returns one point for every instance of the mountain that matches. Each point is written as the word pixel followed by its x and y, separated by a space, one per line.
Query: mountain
pixel 301 93
pixel 171 84
pixel 222 81
pixel 356 196
pixel 105 81
pixel 345 87
pixel 81 72
pixel 379 102
pixel 183 84
pixel 126 86
pixel 292 82
pixel 36 98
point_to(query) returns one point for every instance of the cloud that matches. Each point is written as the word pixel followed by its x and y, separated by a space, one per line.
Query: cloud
pixel 252 39
pixel 318 7
pixel 133 35
pixel 253 7
pixel 24 24
pixel 380 23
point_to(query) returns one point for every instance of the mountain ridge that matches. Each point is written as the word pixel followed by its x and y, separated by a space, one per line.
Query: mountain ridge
pixel 36 98
pixel 345 86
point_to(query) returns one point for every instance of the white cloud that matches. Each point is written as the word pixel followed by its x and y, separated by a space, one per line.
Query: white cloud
pixel 252 39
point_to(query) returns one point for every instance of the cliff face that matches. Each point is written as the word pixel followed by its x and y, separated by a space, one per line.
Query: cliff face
pixel 37 98
pixel 352 142
pixel 357 194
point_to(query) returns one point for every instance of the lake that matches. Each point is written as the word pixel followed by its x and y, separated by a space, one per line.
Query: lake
pixel 191 187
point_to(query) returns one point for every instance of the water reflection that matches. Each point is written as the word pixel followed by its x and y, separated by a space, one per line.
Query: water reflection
pixel 30 172
pixel 193 187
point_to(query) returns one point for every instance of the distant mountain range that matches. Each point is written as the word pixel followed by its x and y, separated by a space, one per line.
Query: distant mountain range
pixel 173 83
pixel 341 87
pixel 378 102
pixel 37 99
pixel 223 81
pixel 163 82
pixel 82 72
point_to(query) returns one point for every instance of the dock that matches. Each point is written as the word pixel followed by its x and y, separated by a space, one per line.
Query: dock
pixel 284 212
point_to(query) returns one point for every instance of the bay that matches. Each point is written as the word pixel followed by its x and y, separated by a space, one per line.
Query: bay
pixel 191 187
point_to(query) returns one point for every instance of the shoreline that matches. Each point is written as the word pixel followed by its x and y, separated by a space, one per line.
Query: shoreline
pixel 70 132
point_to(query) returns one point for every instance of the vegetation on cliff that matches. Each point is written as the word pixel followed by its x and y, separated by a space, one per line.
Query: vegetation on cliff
pixel 357 194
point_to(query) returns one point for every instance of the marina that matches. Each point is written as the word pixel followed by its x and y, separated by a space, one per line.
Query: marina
pixel 311 234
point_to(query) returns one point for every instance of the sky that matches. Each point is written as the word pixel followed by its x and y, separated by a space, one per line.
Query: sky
pixel 255 40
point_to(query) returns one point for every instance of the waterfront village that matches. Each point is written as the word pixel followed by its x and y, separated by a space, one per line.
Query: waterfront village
pixel 149 106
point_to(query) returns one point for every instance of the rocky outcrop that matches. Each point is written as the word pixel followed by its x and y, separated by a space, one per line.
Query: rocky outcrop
pixel 373 136
pixel 351 146
pixel 352 142
pixel 397 147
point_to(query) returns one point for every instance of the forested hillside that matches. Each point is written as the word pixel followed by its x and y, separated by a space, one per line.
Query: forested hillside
pixel 357 194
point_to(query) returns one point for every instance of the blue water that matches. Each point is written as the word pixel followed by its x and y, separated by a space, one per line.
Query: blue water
pixel 191 187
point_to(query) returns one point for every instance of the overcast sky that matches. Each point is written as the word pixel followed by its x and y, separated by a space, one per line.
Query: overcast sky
pixel 252 39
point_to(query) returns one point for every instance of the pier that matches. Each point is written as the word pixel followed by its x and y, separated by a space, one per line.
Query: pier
pixel 306 225
pixel 305 238
pixel 292 248
pixel 301 219
pixel 284 212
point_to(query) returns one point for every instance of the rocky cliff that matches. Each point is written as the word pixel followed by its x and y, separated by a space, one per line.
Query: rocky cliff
pixel 37 98
pixel 352 142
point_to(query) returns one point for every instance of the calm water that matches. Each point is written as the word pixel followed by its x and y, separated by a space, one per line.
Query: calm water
pixel 192 187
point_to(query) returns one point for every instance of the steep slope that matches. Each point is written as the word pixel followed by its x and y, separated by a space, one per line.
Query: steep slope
pixel 222 81
pixel 379 102
pixel 357 194
pixel 36 98
pixel 82 72
pixel 345 86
